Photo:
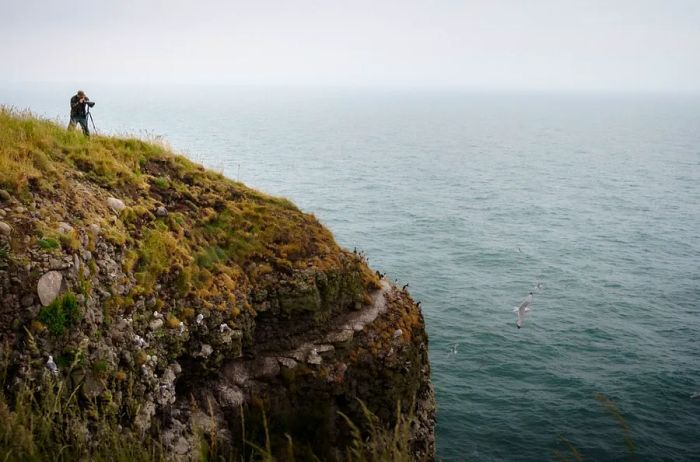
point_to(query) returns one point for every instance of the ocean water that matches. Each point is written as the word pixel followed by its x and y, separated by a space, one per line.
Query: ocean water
pixel 472 199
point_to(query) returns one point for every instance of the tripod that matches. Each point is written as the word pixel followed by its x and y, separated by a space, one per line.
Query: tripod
pixel 89 116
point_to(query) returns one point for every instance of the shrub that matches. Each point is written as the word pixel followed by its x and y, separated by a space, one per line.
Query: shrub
pixel 60 314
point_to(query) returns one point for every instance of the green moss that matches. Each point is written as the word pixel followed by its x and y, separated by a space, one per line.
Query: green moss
pixel 61 314
pixel 161 183
pixel 48 243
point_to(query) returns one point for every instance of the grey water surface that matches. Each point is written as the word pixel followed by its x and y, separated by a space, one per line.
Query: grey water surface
pixel 473 199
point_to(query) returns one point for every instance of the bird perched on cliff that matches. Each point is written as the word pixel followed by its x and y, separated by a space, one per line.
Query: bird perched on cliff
pixel 51 366
pixel 523 309
pixel 182 327
pixel 200 318
pixel 139 341
pixel 405 287
pixel 224 328
pixel 157 315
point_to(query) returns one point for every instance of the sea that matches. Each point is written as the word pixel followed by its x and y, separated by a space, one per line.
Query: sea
pixel 473 199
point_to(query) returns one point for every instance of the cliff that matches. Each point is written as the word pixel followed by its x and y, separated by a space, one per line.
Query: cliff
pixel 151 309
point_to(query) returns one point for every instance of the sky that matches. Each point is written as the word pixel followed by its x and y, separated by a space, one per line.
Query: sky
pixel 540 45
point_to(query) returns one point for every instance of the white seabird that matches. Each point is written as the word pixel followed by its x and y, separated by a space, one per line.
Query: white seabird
pixel 523 309
pixel 200 318
pixel 224 328
pixel 51 366
pixel 157 315
pixel 139 341
pixel 182 327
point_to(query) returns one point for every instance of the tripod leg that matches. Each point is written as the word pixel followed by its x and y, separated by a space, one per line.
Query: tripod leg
pixel 93 123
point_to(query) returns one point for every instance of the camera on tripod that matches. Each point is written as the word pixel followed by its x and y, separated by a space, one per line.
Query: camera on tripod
pixel 90 103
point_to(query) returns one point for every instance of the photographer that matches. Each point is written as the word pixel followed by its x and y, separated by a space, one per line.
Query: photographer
pixel 78 112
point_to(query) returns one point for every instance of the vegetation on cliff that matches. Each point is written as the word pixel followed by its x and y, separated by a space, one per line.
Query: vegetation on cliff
pixel 149 307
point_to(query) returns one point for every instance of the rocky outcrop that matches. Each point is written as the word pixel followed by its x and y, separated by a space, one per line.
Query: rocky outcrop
pixel 200 305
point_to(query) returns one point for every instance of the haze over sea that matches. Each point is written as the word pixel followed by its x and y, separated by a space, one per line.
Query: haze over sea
pixel 472 199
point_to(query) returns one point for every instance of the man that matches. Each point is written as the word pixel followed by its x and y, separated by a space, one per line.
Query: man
pixel 78 113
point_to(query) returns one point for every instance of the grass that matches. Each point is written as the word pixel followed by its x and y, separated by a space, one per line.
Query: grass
pixel 60 315
pixel 48 244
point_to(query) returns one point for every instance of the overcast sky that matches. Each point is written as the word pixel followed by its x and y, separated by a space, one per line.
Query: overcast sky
pixel 559 45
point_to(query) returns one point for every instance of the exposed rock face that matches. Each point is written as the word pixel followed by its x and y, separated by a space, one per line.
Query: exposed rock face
pixel 202 300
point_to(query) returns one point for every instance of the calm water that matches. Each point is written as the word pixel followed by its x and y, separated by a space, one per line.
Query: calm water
pixel 474 199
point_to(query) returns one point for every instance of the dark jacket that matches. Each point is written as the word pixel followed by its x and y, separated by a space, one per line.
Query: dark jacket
pixel 77 109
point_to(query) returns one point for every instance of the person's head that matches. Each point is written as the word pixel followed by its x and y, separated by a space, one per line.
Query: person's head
pixel 81 93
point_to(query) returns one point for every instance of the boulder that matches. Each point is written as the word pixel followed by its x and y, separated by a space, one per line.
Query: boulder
pixel 116 204
pixel 5 228
pixel 4 195
pixel 49 286
pixel 64 228
pixel 161 212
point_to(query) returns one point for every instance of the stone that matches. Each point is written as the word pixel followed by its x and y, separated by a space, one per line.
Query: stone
pixel 5 228
pixel 64 228
pixel 340 336
pixel 4 195
pixel 95 229
pixel 116 204
pixel 230 397
pixel 161 212
pixel 289 363
pixel 205 351
pixel 49 286
pixel 314 358
pixel 156 324
pixel 27 300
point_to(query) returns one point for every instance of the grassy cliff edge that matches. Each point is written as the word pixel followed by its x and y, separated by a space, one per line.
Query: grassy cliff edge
pixel 177 305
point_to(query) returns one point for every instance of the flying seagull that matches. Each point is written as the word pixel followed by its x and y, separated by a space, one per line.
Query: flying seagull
pixel 522 310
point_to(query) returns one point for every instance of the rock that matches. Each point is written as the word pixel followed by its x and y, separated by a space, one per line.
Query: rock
pixel 156 324
pixel 49 286
pixel 230 397
pixel 4 195
pixel 314 358
pixel 340 336
pixel 205 351
pixel 161 212
pixel 289 363
pixel 398 333
pixel 64 228
pixel 27 300
pixel 57 264
pixel 116 204
pixel 266 367
pixel 95 229
pixel 5 228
